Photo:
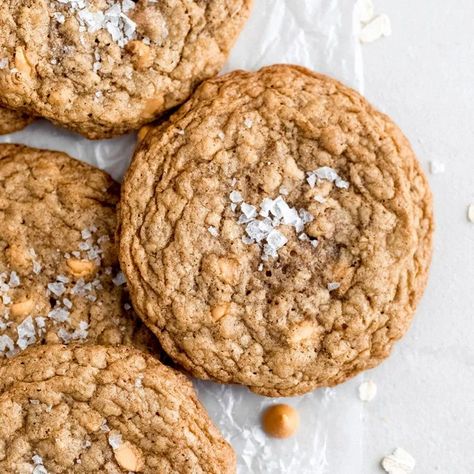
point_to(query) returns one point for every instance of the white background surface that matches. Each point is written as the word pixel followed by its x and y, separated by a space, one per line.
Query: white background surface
pixel 423 76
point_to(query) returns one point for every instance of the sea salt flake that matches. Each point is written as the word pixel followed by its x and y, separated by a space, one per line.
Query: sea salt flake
pixel 119 279
pixel 249 210
pixel 14 280
pixel 333 286
pixel 40 322
pixel 104 426
pixel 86 234
pixel 265 207
pixel 284 191
pixel 57 288
pixel 3 63
pixel 37 267
pixel 235 197
pixel 341 184
pixel 399 462
pixel 311 179
pixel 26 333
pixel 37 459
pixel 6 343
pixel 59 314
pixel 276 239
pixel 213 231
pixel 314 242
pixel 115 439
pixel 39 469
pixel 367 390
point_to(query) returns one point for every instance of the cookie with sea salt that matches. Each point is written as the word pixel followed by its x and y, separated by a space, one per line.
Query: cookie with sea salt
pixel 12 121
pixel 59 274
pixel 276 232
pixel 92 409
pixel 105 67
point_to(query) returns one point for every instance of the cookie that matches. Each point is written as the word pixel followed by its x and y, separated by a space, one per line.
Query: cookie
pixel 60 279
pixel 276 232
pixel 105 67
pixel 11 121
pixel 109 410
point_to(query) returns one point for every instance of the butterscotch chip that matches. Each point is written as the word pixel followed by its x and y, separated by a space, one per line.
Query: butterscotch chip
pixel 319 290
pixel 60 280
pixel 111 66
pixel 129 457
pixel 281 421
pixel 92 409
pixel 81 268
pixel 12 121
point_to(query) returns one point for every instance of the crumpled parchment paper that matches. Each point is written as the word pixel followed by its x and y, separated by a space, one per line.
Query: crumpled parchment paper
pixel 322 35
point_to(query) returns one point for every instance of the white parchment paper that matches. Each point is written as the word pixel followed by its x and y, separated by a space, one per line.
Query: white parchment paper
pixel 319 34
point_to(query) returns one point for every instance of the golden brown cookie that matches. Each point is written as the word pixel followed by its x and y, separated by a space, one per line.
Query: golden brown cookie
pixel 105 67
pixel 12 121
pixel 59 275
pixel 276 232
pixel 93 409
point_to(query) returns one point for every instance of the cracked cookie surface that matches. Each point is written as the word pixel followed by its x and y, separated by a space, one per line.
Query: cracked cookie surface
pixel 12 121
pixel 276 232
pixel 60 279
pixel 66 409
pixel 105 67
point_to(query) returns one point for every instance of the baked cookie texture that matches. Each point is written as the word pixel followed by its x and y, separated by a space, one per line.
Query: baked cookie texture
pixel 105 67
pixel 276 232
pixel 12 121
pixel 60 280
pixel 109 410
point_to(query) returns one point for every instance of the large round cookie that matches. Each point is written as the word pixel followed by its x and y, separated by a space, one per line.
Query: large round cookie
pixel 104 67
pixel 59 275
pixel 12 121
pixel 103 410
pixel 276 232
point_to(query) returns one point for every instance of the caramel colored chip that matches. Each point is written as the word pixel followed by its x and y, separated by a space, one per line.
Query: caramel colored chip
pixel 129 457
pixel 281 421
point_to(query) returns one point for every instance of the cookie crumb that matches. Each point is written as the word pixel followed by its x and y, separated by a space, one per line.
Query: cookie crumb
pixel 436 167
pixel 378 27
pixel 367 391
pixel 470 213
pixel 399 462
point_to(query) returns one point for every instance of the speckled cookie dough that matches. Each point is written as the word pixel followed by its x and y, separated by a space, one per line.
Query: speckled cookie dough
pixel 105 67
pixel 60 280
pixel 12 121
pixel 276 232
pixel 93 409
